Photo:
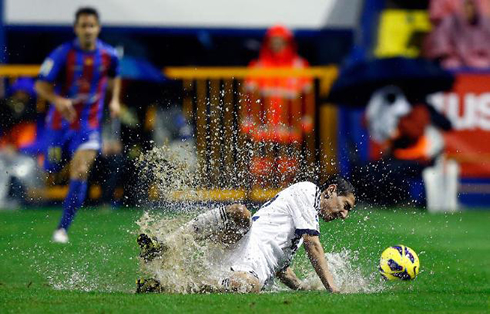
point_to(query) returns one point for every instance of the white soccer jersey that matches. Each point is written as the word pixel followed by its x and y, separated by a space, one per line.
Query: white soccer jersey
pixel 277 230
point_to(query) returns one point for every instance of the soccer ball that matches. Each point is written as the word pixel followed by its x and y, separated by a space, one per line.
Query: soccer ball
pixel 399 262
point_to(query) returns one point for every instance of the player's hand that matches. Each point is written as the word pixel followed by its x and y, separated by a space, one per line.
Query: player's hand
pixel 303 287
pixel 65 108
pixel 115 108
pixel 334 289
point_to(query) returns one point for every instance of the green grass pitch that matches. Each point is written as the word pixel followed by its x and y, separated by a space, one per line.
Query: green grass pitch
pixel 96 271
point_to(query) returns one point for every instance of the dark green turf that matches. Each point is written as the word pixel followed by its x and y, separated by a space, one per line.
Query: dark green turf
pixel 454 251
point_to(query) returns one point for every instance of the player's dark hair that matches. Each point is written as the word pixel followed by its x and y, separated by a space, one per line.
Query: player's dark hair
pixel 86 11
pixel 344 187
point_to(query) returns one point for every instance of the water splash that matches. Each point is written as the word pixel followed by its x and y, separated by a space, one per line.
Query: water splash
pixel 79 270
pixel 187 266
pixel 165 170
pixel 349 278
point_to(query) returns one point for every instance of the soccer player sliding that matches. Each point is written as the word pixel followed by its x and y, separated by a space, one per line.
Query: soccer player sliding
pixel 262 246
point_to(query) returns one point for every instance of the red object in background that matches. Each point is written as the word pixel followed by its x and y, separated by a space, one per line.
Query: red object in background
pixel 411 142
pixel 468 108
pixel 276 102
pixel 287 166
pixel 261 168
pixel 277 110
pixel 472 150
pixel 20 136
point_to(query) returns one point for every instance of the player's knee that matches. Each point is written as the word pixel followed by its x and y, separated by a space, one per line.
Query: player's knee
pixel 240 215
pixel 80 172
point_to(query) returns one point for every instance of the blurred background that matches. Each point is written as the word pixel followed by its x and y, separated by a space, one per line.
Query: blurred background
pixel 392 94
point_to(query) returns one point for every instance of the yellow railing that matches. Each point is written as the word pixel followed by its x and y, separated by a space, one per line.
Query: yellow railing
pixel 16 70
pixel 324 72
pixel 211 99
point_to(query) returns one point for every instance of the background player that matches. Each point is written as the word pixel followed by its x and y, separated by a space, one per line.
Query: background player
pixel 265 248
pixel 74 79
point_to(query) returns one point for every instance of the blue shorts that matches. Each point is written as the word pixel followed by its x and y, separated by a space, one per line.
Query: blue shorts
pixel 61 145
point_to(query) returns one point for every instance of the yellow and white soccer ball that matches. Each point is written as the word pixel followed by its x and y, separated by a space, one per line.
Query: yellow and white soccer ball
pixel 399 262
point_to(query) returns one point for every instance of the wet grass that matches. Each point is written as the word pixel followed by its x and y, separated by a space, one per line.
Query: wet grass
pixel 96 271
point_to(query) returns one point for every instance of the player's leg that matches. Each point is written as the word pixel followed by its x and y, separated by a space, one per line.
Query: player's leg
pixel 55 158
pixel 238 282
pixel 224 224
pixel 150 247
pixel 206 225
pixel 239 223
pixel 147 285
pixel 79 170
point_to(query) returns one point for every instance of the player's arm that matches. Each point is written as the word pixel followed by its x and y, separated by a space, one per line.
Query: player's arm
pixel 63 105
pixel 49 74
pixel 115 105
pixel 114 74
pixel 289 278
pixel 316 255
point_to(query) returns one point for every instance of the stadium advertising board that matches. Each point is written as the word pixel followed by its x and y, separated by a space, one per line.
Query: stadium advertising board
pixel 468 108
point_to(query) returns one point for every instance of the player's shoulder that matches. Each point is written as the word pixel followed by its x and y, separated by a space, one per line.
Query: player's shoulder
pixel 305 194
pixel 308 191
pixel 103 46
pixel 63 49
pixel 306 186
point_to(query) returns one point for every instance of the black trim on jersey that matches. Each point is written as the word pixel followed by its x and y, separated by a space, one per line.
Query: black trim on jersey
pixel 317 198
pixel 283 268
pixel 224 216
pixel 269 201
pixel 310 232
pixel 222 213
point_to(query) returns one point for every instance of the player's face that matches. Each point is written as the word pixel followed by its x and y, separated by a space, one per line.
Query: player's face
pixel 87 29
pixel 334 206
pixel 277 44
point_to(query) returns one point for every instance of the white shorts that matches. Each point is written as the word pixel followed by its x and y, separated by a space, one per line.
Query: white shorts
pixel 93 142
pixel 90 145
pixel 252 256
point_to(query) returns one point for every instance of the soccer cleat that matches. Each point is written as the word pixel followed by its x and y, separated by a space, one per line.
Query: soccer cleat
pixel 60 236
pixel 149 248
pixel 148 285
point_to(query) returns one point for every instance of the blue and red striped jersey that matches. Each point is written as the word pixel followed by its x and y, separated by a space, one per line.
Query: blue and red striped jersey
pixel 82 77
